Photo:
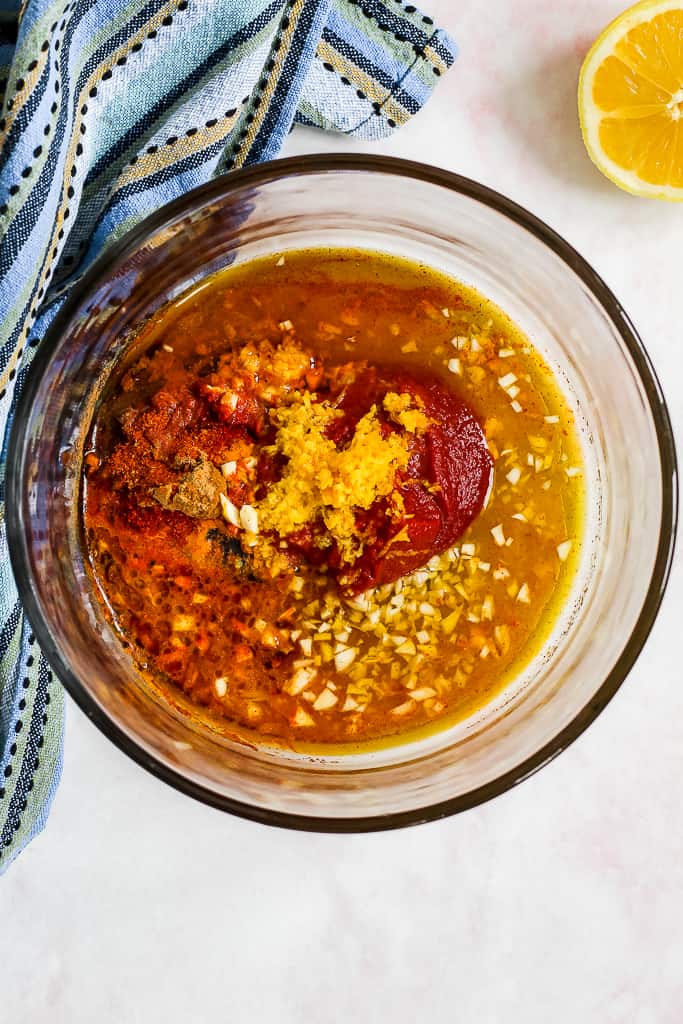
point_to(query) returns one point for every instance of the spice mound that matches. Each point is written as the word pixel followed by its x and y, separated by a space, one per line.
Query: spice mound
pixel 367 472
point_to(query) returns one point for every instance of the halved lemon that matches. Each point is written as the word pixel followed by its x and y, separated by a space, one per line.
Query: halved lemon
pixel 631 100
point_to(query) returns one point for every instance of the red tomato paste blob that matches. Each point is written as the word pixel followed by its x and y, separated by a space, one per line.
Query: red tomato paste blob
pixel 443 487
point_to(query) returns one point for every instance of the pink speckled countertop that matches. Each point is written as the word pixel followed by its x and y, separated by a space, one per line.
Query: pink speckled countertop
pixel 561 901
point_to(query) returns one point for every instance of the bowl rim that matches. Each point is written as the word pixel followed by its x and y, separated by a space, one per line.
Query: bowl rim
pixel 221 187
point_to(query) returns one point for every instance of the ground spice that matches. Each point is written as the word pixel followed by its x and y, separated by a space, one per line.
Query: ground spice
pixel 196 495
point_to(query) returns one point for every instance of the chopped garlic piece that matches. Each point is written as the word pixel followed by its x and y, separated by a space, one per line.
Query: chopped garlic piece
pixel 502 635
pixel 299 681
pixel 407 647
pixel 249 518
pixel 404 709
pixel 551 419
pixel 505 353
pixel 507 381
pixel 302 718
pixel 455 366
pixel 220 685
pixel 450 622
pixel 524 594
pixel 515 406
pixel 498 535
pixel 229 468
pixel 325 700
pixel 563 550
pixel 280 262
pixel 230 511
pixel 514 475
pixel 344 658
pixel 422 693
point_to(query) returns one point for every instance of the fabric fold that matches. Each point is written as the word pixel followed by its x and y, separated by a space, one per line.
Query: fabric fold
pixel 111 109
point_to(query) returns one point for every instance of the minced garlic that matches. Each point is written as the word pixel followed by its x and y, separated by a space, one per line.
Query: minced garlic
pixel 320 481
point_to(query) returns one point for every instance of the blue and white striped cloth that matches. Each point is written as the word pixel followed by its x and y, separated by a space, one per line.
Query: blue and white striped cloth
pixel 111 109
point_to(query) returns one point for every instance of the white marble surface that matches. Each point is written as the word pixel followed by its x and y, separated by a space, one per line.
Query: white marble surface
pixel 561 901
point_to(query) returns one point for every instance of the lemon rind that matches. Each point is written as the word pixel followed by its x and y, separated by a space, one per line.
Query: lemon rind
pixel 590 116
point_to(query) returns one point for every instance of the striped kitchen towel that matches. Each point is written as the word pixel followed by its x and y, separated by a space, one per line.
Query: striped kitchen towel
pixel 111 109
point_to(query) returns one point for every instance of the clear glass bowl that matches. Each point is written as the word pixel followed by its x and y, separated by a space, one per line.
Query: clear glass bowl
pixel 569 314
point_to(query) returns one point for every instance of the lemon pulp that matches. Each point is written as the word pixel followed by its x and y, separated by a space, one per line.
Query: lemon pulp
pixel 631 100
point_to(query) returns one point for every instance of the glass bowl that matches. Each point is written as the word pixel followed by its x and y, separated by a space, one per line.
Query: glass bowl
pixel 569 314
